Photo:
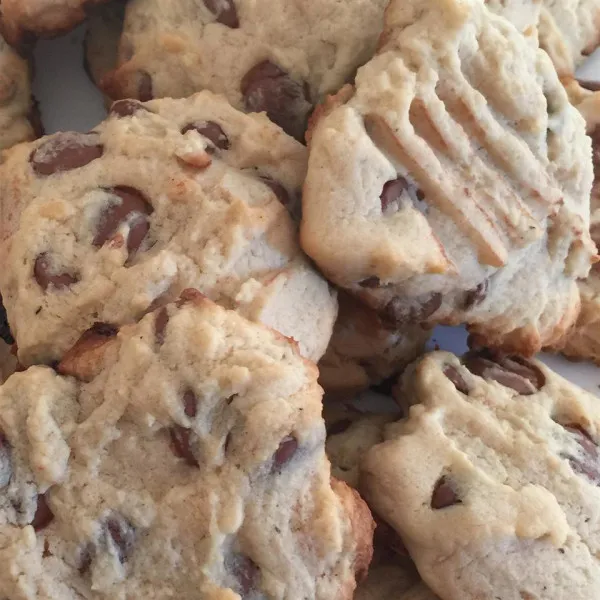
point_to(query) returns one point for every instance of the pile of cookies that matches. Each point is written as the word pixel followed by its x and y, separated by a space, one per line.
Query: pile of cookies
pixel 282 202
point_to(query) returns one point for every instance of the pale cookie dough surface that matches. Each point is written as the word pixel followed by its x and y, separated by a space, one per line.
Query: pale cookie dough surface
pixel 100 227
pixel 24 20
pixel 183 459
pixel 280 58
pixel 15 99
pixel 364 350
pixel 492 479
pixel 569 30
pixel 446 190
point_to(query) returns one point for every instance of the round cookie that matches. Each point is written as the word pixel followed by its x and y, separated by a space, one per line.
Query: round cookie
pixel 281 59
pixel 182 458
pixel 22 21
pixel 159 197
pixel 569 30
pixel 364 350
pixel 19 120
pixel 492 479
pixel 442 188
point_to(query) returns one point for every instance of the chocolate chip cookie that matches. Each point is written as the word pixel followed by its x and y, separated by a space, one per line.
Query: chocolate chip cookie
pixel 492 479
pixel 106 225
pixel 365 350
pixel 569 30
pixel 19 120
pixel 443 188
pixel 22 21
pixel 183 457
pixel 280 59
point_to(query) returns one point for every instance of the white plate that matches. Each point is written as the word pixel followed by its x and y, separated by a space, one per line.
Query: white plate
pixel 69 101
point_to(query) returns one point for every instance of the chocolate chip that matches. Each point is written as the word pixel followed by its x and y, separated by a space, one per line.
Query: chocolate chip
pixel 397 313
pixel 43 515
pixel 122 534
pixel 5 461
pixel 65 152
pixel 190 404
pixel 444 494
pixel 285 452
pixel 453 374
pixel 224 11
pixel 145 91
pixel 5 332
pixel 370 282
pixel 126 108
pixel 43 273
pixel 268 88
pixel 133 209
pixel 245 573
pixel 212 131
pixel 160 324
pixel 589 463
pixel 512 372
pixel 392 192
pixel 180 443
pixel 476 296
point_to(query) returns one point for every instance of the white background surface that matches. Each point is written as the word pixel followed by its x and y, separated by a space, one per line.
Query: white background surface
pixel 69 101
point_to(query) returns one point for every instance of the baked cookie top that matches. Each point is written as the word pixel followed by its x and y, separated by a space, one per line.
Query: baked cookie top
pixel 569 30
pixel 172 194
pixel 18 122
pixel 452 182
pixel 492 479
pixel 24 20
pixel 182 457
pixel 280 58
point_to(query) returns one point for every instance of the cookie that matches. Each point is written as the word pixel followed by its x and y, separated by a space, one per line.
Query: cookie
pixel 106 225
pixel 280 61
pixel 101 44
pixel 19 120
pixel 492 479
pixel 183 457
pixel 364 350
pixel 22 21
pixel 569 30
pixel 443 188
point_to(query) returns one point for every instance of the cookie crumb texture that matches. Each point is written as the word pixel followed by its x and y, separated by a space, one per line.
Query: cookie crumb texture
pixel 280 59
pixel 492 479
pixel 185 461
pixel 107 225
pixel 445 189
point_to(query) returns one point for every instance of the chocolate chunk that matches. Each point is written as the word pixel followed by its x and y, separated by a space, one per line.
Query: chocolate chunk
pixel 278 190
pixel 190 404
pixel 43 515
pixel 285 452
pixel 268 88
pixel 43 273
pixel 5 332
pixel 65 152
pixel 245 572
pixel 476 296
pixel 122 534
pixel 453 374
pixel 370 282
pixel 397 313
pixel 212 131
pixel 5 461
pixel 444 494
pixel 160 324
pixel 391 194
pixel 224 11
pixel 126 108
pixel 512 372
pixel 133 209
pixel 145 91
pixel 85 559
pixel 588 463
pixel 180 443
